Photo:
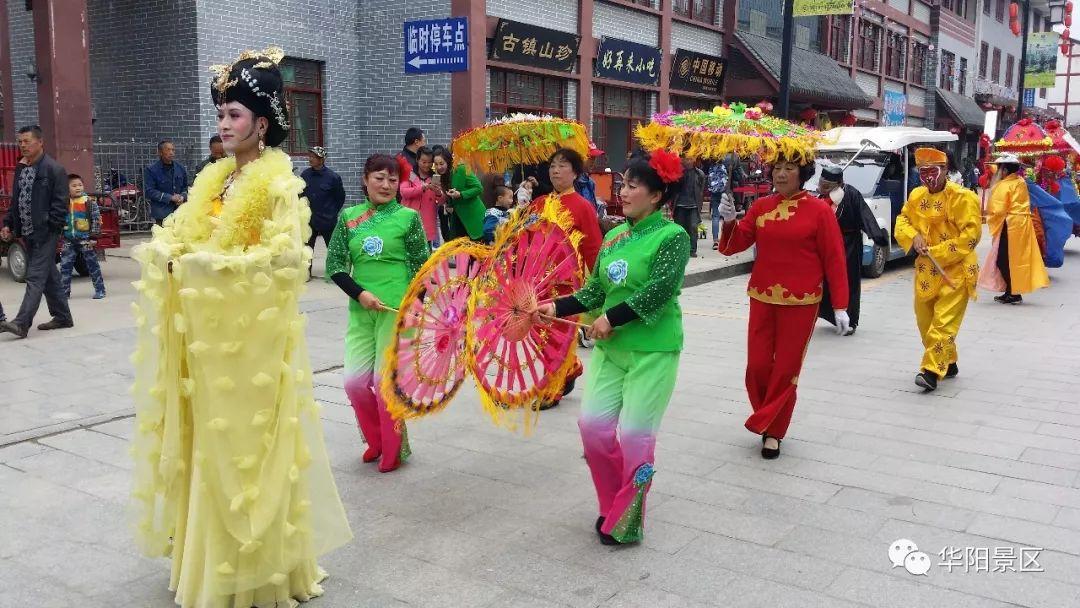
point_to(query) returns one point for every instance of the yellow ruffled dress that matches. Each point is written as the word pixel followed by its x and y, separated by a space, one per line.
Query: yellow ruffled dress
pixel 232 479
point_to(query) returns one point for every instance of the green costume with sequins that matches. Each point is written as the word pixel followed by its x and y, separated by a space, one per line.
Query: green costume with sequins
pixel 381 247
pixel 636 281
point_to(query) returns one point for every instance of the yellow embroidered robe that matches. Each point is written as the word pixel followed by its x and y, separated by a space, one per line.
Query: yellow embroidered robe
pixel 232 477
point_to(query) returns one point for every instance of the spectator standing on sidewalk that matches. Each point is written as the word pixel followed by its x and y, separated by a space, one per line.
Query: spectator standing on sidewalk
pixel 83 224
pixel 325 193
pixel 165 182
pixel 217 152
pixel 414 140
pixel 39 208
pixel 688 203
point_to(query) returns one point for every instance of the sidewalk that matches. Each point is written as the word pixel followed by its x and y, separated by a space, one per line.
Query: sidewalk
pixel 987 465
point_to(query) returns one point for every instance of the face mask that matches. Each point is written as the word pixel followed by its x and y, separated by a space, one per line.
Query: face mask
pixel 836 195
pixel 933 177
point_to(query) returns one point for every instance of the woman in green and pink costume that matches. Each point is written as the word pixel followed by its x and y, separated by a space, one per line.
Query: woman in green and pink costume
pixel 377 248
pixel 636 282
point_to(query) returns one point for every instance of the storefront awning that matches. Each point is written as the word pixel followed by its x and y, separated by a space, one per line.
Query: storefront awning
pixel 815 78
pixel 963 109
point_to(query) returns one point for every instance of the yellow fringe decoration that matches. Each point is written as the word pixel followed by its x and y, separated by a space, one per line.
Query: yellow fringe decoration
pixel 521 139
pixel 399 404
pixel 714 146
pixel 511 411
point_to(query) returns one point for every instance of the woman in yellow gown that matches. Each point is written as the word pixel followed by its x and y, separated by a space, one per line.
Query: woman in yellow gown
pixel 232 479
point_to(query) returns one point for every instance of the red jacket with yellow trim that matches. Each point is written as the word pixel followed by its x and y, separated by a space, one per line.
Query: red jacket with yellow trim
pixel 798 246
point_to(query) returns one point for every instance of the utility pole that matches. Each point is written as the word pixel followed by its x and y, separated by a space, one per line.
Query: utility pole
pixel 785 60
pixel 1026 4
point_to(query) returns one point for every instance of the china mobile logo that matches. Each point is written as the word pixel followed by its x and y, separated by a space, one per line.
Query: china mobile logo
pixel 904 553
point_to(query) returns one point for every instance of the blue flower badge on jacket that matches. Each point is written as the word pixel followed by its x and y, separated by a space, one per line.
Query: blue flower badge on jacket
pixel 617 270
pixel 373 246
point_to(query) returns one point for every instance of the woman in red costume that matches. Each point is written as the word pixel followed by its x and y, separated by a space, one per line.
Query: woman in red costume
pixel 564 167
pixel 798 246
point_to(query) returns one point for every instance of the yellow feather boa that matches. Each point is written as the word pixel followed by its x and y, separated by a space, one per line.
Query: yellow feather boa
pixel 247 209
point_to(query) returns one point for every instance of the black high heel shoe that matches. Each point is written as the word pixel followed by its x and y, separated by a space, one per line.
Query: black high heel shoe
pixel 605 539
pixel 770 453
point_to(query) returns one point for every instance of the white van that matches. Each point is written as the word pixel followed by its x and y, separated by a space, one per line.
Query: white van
pixel 881 171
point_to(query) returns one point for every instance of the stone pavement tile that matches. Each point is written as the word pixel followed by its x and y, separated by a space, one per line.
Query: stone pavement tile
pixel 1011 468
pixel 696 489
pixel 937 473
pixel 123 428
pixel 24 586
pixel 674 461
pixel 344 591
pixel 775 481
pixel 576 585
pixel 93 445
pixel 642 595
pixel 63 468
pixel 16 451
pixel 1068 518
pixel 828 516
pixel 1051 458
pixel 901 507
pixel 717 520
pixel 85 566
pixel 667 537
pixel 1059 430
pixel 928 491
pixel 150 591
pixel 886 591
pixel 409 580
pixel 1060 444
pixel 517 599
pixel 1027 533
pixel 1041 492
pixel 777 565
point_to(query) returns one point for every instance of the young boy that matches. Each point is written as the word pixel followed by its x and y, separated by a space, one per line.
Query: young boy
pixel 504 201
pixel 83 223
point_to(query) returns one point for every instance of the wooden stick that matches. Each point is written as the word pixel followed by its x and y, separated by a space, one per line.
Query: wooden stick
pixel 944 275
pixel 390 309
pixel 567 321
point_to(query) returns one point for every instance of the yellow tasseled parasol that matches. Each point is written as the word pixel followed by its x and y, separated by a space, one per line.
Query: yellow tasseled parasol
pixel 711 135
pixel 518 139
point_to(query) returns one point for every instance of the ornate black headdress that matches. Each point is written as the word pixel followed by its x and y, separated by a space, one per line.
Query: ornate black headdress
pixel 255 81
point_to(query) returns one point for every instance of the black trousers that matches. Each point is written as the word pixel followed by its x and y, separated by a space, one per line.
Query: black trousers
pixel 1003 257
pixel 688 218
pixel 42 279
pixel 853 255
pixel 316 233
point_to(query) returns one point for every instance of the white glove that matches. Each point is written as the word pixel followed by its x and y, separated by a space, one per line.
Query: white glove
pixel 843 322
pixel 727 207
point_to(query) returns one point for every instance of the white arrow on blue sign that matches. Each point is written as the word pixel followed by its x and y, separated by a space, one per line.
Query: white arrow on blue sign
pixel 436 45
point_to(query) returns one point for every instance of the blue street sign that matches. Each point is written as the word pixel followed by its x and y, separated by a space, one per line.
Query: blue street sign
pixel 436 45
pixel 1029 97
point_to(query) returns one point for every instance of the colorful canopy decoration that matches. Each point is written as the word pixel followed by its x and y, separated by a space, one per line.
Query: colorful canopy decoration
pixel 518 139
pixel 518 364
pixel 735 128
pixel 1025 139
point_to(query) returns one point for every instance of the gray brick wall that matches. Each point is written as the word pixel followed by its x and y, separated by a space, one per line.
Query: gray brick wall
pixel 21 28
pixel 559 15
pixel 143 79
pixel 625 24
pixel 690 38
pixel 368 100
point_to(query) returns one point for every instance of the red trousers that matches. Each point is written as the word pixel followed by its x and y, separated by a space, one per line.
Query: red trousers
pixel 777 341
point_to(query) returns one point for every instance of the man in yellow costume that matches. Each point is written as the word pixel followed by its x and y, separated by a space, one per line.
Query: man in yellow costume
pixel 941 221
pixel 1014 264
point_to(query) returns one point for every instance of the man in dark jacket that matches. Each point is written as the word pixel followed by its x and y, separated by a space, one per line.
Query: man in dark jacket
pixel 687 211
pixel 217 152
pixel 38 213
pixel 165 182
pixel 414 140
pixel 325 194
pixel 855 217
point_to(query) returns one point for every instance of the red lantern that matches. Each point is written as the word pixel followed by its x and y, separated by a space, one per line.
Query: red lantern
pixel 1014 10
pixel 1065 33
pixel 1068 8
pixel 1015 27
pixel 1068 21
pixel 848 120
pixel 808 115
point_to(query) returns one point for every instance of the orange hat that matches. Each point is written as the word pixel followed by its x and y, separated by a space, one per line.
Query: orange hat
pixel 930 156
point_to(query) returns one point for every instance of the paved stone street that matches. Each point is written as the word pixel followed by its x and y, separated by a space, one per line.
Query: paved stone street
pixel 988 465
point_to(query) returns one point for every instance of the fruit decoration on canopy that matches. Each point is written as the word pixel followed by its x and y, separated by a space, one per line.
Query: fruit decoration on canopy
pixel 518 139
pixel 711 135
